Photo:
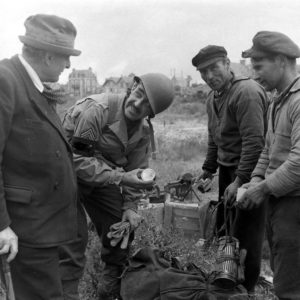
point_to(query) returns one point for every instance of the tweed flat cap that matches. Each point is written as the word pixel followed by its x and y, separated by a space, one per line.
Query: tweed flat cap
pixel 50 32
pixel 271 42
pixel 208 55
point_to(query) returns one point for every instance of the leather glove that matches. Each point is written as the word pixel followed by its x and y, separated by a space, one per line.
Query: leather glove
pixel 206 174
pixel 119 232
pixel 205 181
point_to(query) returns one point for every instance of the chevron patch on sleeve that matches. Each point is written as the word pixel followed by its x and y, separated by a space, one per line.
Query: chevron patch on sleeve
pixel 88 134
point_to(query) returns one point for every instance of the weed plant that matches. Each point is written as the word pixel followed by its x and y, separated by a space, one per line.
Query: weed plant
pixel 173 244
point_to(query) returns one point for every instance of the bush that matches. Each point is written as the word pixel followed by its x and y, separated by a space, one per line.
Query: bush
pixel 180 149
pixel 184 110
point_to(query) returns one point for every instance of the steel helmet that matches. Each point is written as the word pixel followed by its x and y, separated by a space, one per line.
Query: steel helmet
pixel 159 90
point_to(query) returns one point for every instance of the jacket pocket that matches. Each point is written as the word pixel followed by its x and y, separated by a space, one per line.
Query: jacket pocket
pixel 33 123
pixel 18 194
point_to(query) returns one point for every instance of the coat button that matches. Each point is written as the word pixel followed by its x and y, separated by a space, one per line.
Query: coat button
pixel 56 185
pixel 58 154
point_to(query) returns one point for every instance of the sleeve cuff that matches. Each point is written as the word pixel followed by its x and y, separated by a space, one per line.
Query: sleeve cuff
pixel 276 187
pixel 4 223
pixel 258 173
pixel 116 177
pixel 133 205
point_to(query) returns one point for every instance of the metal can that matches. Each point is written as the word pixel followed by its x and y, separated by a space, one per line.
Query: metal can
pixel 147 174
pixel 226 263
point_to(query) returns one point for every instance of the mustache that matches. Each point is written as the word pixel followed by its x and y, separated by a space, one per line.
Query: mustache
pixel 131 104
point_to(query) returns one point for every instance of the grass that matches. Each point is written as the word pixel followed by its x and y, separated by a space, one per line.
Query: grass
pixel 181 139
pixel 174 246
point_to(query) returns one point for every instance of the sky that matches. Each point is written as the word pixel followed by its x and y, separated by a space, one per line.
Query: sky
pixel 119 37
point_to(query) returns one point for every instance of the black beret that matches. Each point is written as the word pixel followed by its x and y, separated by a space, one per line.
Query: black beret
pixel 208 55
pixel 271 42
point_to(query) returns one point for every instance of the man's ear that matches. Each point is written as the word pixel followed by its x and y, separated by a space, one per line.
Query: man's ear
pixel 48 58
pixel 227 62
pixel 134 85
pixel 283 60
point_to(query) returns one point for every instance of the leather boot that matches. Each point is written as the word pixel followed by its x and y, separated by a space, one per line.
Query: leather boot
pixel 111 283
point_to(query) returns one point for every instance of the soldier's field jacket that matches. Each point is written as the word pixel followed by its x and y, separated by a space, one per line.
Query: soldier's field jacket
pixel 279 162
pixel 97 129
pixel 236 127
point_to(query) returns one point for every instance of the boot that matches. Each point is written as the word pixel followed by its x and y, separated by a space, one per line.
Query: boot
pixel 111 283
pixel 70 289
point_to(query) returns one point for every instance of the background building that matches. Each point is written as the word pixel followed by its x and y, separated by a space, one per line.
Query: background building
pixel 82 83
pixel 117 84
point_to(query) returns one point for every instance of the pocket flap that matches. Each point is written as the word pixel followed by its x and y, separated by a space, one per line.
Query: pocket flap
pixel 18 194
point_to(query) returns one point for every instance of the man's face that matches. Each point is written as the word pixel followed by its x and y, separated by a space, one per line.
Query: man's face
pixel 267 72
pixel 217 74
pixel 57 64
pixel 137 105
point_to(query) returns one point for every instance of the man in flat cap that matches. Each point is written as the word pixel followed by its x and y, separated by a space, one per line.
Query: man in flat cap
pixel 38 189
pixel 236 110
pixel 276 177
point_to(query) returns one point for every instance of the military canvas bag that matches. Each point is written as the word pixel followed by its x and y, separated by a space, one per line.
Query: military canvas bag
pixel 150 277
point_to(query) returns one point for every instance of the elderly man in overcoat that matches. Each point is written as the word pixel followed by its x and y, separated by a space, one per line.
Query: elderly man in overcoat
pixel 38 190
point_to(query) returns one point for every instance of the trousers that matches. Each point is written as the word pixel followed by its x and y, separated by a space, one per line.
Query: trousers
pixel 51 273
pixel 104 207
pixel 283 228
pixel 248 228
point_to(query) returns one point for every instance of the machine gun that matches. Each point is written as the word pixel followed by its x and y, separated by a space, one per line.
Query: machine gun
pixel 187 184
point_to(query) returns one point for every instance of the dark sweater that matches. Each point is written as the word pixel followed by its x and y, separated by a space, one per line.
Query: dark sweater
pixel 236 129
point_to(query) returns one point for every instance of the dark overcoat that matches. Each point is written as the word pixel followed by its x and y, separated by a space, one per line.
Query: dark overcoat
pixel 37 181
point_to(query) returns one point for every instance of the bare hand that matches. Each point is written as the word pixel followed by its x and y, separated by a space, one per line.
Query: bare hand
pixel 131 179
pixel 133 218
pixel 8 243
pixel 254 196
pixel 231 191
pixel 253 182
pixel 205 174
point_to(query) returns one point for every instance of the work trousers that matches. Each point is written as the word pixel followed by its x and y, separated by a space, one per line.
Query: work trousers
pixel 36 274
pixel 248 228
pixel 283 231
pixel 72 258
pixel 51 273
pixel 104 207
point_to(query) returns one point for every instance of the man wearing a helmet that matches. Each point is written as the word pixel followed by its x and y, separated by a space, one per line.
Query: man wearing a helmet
pixel 111 142
pixel 137 105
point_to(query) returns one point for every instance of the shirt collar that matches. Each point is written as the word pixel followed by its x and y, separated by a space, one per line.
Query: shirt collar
pixel 32 74
pixel 293 87
pixel 226 87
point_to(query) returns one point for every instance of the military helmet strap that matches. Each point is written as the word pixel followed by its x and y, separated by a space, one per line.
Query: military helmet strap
pixel 152 140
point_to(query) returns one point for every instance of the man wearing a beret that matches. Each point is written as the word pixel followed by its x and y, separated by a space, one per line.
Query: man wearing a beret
pixel 236 110
pixel 38 189
pixel 276 177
